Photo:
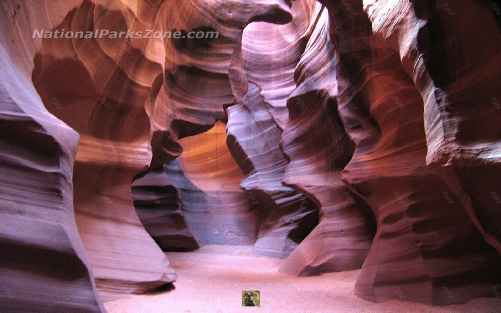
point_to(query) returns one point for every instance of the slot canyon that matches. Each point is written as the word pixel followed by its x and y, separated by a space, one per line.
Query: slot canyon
pixel 176 156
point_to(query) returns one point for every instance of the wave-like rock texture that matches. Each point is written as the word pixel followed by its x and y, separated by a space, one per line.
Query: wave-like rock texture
pixel 454 66
pixel 318 148
pixel 270 54
pixel 100 88
pixel 262 78
pixel 43 267
pixel 189 112
pixel 158 203
pixel 427 247
pixel 286 215
pixel 358 115
pixel 191 100
pixel 198 196
pixel 120 95
pixel 196 85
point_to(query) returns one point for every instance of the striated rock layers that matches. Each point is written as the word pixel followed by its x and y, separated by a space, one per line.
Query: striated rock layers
pixel 429 245
pixel 209 201
pixel 319 148
pixel 454 67
pixel 359 134
pixel 43 266
pixel 131 101
pixel 262 78
pixel 157 199
pixel 134 101
pixel 100 87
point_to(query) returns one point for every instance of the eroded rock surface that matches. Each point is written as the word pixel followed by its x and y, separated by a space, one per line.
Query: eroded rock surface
pixel 43 266
pixel 359 133
pixel 100 88
pixel 427 233
pixel 107 91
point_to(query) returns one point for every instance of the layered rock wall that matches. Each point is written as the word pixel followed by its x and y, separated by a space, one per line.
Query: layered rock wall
pixel 43 266
pixel 100 87
pixel 359 134
pixel 429 245
pixel 342 239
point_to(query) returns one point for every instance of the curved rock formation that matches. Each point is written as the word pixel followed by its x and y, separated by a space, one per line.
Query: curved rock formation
pixel 318 148
pixel 287 216
pixel 427 248
pixel 458 84
pixel 196 85
pixel 199 197
pixel 38 235
pixel 221 213
pixel 158 203
pixel 262 78
pixel 106 90
pixel 100 89
pixel 359 133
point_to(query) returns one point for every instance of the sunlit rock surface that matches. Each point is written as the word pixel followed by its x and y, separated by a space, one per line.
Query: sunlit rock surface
pixel 107 91
pixel 318 148
pixel 100 88
pixel 220 212
pixel 262 78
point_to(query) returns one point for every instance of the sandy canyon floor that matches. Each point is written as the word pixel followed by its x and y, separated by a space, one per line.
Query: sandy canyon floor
pixel 211 280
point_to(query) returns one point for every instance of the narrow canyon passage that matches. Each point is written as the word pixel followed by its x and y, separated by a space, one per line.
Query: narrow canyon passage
pixel 330 156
